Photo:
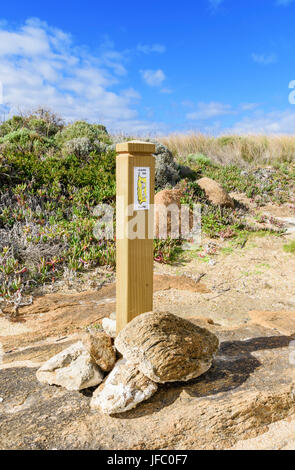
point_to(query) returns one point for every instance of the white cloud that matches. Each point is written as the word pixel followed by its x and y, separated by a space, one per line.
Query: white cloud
pixel 153 78
pixel 275 122
pixel 265 59
pixel 41 66
pixel 284 3
pixel 150 48
pixel 210 110
pixel 249 106
pixel 166 91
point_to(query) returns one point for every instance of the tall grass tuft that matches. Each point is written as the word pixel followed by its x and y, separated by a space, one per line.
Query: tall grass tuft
pixel 244 151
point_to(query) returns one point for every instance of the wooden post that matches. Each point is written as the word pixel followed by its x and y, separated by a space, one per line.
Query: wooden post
pixel 135 193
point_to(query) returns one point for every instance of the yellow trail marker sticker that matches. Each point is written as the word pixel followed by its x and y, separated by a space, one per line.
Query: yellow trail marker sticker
pixel 141 188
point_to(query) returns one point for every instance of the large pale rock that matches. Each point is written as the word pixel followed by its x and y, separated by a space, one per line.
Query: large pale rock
pixel 72 369
pixel 167 348
pixel 124 388
pixel 215 192
pixel 100 347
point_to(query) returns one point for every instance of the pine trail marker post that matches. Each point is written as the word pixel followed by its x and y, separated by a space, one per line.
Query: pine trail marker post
pixel 135 177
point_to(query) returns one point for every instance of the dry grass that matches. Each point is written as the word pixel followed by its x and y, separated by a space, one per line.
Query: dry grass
pixel 241 150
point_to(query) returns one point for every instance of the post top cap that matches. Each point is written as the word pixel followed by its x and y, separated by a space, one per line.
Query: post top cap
pixel 136 146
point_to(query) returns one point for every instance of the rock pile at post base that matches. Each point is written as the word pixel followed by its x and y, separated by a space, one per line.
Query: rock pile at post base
pixel 156 348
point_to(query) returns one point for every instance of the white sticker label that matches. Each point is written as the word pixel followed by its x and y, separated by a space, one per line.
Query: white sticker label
pixel 141 188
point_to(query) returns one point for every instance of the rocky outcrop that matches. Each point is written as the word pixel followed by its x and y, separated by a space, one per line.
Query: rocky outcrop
pixel 72 369
pixel 100 347
pixel 123 390
pixel 167 348
pixel 167 170
pixel 215 192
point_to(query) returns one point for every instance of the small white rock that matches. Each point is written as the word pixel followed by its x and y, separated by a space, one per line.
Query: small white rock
pixel 109 327
pixel 1 399
pixel 113 316
pixel 71 368
pixel 123 390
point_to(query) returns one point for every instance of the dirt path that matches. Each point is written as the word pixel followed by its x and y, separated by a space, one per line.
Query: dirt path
pixel 258 275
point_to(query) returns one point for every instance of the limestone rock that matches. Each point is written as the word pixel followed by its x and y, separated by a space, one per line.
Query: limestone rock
pixel 215 192
pixel 100 347
pixel 72 369
pixel 109 327
pixel 167 348
pixel 124 388
pixel 165 224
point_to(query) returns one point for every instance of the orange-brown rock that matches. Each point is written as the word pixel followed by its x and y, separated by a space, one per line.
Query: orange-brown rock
pixel 167 224
pixel 100 347
pixel 215 192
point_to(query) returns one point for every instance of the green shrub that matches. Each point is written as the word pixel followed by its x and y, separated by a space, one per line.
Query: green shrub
pixel 24 140
pixel 198 158
pixel 82 129
pixel 41 121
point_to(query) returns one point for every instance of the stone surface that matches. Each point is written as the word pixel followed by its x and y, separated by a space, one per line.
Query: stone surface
pixel 215 192
pixel 60 315
pixel 100 347
pixel 124 388
pixel 283 321
pixel 109 327
pixel 280 436
pixel 249 386
pixel 167 348
pixel 72 369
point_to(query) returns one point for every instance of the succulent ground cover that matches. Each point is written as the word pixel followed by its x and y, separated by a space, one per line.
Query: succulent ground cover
pixel 52 176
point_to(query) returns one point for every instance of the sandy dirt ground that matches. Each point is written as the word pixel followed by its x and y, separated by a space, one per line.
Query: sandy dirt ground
pixel 226 285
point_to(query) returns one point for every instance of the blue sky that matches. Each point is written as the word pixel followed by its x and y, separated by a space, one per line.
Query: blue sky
pixel 214 66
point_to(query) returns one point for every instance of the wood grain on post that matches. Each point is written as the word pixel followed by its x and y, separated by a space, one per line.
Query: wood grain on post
pixel 135 190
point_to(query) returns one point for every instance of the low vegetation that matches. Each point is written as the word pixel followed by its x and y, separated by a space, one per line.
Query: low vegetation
pixel 53 175
pixel 290 247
